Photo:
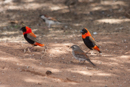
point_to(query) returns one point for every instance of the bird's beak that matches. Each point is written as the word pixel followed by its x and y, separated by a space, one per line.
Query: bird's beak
pixel 20 29
pixel 81 31
pixel 71 47
pixel 40 15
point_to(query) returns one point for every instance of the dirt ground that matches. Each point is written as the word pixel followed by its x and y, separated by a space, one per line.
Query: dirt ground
pixel 107 20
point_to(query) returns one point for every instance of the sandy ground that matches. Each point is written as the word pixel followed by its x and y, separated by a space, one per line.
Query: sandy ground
pixel 107 18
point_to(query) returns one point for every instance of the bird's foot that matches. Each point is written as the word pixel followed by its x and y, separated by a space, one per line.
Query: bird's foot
pixel 81 62
pixel 29 49
pixel 87 52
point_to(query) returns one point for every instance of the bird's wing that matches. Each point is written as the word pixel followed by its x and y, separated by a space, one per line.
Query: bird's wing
pixel 51 18
pixel 81 55
pixel 32 36
pixel 84 56
pixel 92 39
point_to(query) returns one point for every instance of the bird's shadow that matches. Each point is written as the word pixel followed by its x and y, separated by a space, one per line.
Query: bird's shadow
pixel 82 64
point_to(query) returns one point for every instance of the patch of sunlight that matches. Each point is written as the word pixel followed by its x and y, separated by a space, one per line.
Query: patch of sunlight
pixel 4 85
pixel 64 44
pixel 25 7
pixel 108 42
pixel 125 56
pixel 2 24
pixel 107 55
pixel 57 50
pixel 112 21
pixel 103 74
pixel 113 3
pixel 29 0
pixel 9 59
pixel 77 24
pixel 33 80
pixel 67 44
pixel 74 70
pixel 9 32
pixel 84 72
pixel 8 1
pixel 99 73
pixel 57 7
pixel 53 70
pixel 12 39
pixel 97 8
pixel 103 8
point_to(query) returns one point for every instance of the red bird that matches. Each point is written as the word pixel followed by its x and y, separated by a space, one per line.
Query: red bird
pixel 89 40
pixel 30 37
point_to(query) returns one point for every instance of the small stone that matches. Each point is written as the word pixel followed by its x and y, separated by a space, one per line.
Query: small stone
pixel 40 63
pixel 105 86
pixel 27 66
pixel 73 76
pixel 39 83
pixel 48 72
pixel 94 32
pixel 66 26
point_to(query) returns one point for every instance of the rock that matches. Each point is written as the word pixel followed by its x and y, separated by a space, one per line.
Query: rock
pixel 48 72
pixel 94 32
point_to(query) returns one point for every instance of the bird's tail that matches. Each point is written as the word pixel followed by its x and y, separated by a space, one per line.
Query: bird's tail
pixel 39 44
pixel 97 48
pixel 91 63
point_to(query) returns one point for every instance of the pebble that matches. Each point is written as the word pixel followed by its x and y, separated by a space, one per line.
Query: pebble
pixel 121 28
pixel 105 86
pixel 40 63
pixel 80 79
pixel 66 26
pixel 74 76
pixel 48 72
pixel 94 33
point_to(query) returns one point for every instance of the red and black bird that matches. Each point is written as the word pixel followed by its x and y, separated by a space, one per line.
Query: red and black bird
pixel 89 40
pixel 30 37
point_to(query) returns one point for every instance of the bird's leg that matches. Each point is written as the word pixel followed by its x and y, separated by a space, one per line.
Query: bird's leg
pixel 43 52
pixel 28 49
pixel 87 51
pixel 25 50
pixel 81 62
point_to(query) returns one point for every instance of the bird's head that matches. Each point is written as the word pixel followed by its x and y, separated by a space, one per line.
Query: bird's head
pixel 43 16
pixel 75 47
pixel 84 30
pixel 26 30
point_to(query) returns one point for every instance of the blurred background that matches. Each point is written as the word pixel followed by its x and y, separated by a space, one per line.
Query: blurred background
pixel 107 20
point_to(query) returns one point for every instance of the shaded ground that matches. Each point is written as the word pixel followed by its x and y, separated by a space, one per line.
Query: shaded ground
pixel 105 17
